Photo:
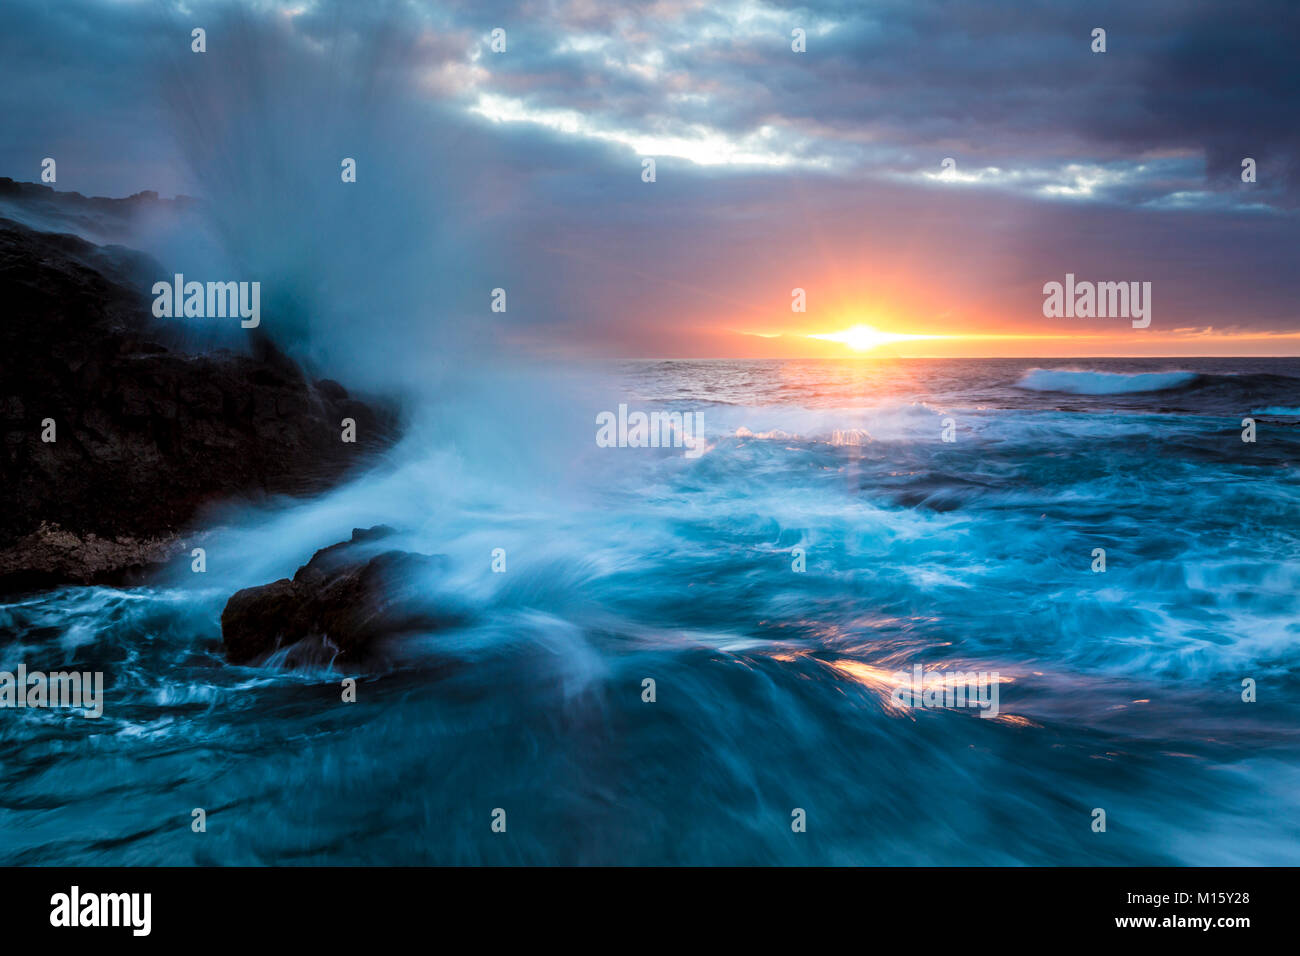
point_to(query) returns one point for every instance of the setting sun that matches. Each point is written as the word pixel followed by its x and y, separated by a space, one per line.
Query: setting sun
pixel 861 338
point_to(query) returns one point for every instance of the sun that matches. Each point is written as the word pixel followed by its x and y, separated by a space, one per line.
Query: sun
pixel 863 338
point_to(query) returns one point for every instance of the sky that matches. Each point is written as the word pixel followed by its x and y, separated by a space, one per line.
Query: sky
pixel 775 170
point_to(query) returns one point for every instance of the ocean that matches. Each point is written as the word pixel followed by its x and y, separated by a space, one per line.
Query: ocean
pixel 846 522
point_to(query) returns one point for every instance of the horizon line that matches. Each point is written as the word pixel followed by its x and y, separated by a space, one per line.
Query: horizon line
pixel 924 358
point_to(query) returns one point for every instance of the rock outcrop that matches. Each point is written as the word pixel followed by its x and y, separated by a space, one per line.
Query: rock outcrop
pixel 145 434
pixel 340 608
pixel 96 218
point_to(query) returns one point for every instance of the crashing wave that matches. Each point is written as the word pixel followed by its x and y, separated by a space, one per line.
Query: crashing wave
pixel 1079 382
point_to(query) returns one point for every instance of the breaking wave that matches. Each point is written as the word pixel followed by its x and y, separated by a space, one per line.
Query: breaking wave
pixel 1081 382
pixel 1123 686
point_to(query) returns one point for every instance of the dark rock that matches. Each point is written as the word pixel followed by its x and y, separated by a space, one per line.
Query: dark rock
pixel 146 434
pixel 342 607
pixel 97 218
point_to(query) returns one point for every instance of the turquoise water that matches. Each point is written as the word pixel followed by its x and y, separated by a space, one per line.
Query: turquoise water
pixel 1121 689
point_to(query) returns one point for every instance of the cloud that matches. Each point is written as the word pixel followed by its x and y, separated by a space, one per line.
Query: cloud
pixel 776 169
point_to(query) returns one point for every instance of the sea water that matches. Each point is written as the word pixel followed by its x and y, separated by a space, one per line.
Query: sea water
pixel 1122 690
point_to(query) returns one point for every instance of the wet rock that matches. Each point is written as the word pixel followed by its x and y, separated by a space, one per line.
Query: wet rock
pixel 146 434
pixel 344 607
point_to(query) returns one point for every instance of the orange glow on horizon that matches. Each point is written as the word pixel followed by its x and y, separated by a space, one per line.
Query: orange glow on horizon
pixel 868 342
pixel 862 338
pixel 898 320
pixel 870 299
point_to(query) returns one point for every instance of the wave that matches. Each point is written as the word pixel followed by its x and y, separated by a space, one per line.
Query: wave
pixel 1277 410
pixel 1081 382
pixel 625 563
